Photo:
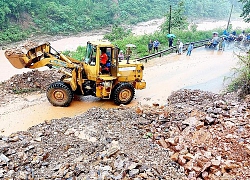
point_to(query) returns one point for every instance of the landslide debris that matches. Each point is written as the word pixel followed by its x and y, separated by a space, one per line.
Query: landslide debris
pixel 21 49
pixel 99 144
pixel 197 135
pixel 206 133
pixel 26 83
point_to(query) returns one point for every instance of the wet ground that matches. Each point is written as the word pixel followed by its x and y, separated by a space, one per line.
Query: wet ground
pixel 204 69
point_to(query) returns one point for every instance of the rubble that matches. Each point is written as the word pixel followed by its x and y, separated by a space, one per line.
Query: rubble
pixel 31 81
pixel 208 144
pixel 120 152
pixel 197 135
pixel 21 49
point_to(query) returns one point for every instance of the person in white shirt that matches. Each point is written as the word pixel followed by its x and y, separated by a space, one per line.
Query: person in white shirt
pixel 180 51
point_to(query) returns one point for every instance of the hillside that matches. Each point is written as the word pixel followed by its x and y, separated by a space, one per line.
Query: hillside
pixel 20 18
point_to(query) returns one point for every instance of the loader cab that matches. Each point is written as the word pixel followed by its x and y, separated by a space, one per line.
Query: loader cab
pixel 93 65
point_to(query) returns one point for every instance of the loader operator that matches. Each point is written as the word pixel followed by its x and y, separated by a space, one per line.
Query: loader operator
pixel 103 61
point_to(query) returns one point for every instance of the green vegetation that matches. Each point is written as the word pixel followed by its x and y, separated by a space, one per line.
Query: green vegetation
pixel 22 91
pixel 204 8
pixel 246 10
pixel 178 19
pixel 21 18
pixel 241 76
pixel 13 34
pixel 79 54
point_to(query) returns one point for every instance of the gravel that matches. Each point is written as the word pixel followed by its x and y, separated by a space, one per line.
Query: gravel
pixel 197 135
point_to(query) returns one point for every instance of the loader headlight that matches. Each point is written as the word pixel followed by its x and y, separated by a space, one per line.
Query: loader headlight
pixel 107 84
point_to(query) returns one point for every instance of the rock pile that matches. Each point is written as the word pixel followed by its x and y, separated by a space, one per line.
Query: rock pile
pixel 99 144
pixel 206 133
pixel 31 81
pixel 21 49
pixel 197 135
pixel 26 83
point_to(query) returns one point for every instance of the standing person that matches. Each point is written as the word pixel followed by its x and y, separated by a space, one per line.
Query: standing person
pixel 223 44
pixel 156 44
pixel 128 54
pixel 234 33
pixel 150 46
pixel 177 46
pixel 120 56
pixel 180 48
pixel 170 41
pixel 190 48
pixel 243 32
pixel 248 37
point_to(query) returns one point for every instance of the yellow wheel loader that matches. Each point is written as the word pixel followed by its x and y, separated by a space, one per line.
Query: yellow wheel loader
pixel 117 80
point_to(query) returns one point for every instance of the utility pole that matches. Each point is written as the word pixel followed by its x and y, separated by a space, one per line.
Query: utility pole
pixel 169 23
pixel 229 17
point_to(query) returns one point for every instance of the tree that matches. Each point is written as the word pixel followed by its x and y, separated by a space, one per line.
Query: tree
pixel 72 16
pixel 117 33
pixel 246 10
pixel 178 18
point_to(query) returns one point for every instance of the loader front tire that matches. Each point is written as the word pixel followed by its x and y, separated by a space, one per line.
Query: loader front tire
pixel 123 93
pixel 59 94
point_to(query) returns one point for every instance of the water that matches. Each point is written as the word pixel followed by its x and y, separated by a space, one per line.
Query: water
pixel 203 70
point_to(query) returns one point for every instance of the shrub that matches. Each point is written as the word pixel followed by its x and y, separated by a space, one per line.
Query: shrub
pixel 240 80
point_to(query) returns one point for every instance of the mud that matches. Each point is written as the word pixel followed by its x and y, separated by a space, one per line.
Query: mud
pixel 192 134
pixel 203 70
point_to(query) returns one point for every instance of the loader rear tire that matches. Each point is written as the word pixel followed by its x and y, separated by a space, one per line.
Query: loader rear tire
pixel 123 93
pixel 60 94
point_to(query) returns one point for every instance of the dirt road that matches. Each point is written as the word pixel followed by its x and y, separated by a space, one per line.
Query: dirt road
pixel 203 70
pixel 144 139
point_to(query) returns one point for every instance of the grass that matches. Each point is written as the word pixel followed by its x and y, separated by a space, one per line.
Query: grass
pixel 22 91
pixel 240 80
pixel 241 74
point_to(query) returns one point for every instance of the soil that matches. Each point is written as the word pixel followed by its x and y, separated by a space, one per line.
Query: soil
pixel 25 84
pixel 195 135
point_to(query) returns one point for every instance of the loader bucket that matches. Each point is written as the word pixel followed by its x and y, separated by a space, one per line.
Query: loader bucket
pixel 19 61
pixel 24 56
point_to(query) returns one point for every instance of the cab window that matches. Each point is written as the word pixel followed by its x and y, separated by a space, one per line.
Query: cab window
pixel 93 57
pixel 90 57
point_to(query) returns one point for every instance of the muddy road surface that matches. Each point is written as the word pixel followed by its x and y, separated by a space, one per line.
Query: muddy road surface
pixel 204 69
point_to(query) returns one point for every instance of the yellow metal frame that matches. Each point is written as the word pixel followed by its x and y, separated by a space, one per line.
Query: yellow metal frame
pixel 41 56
